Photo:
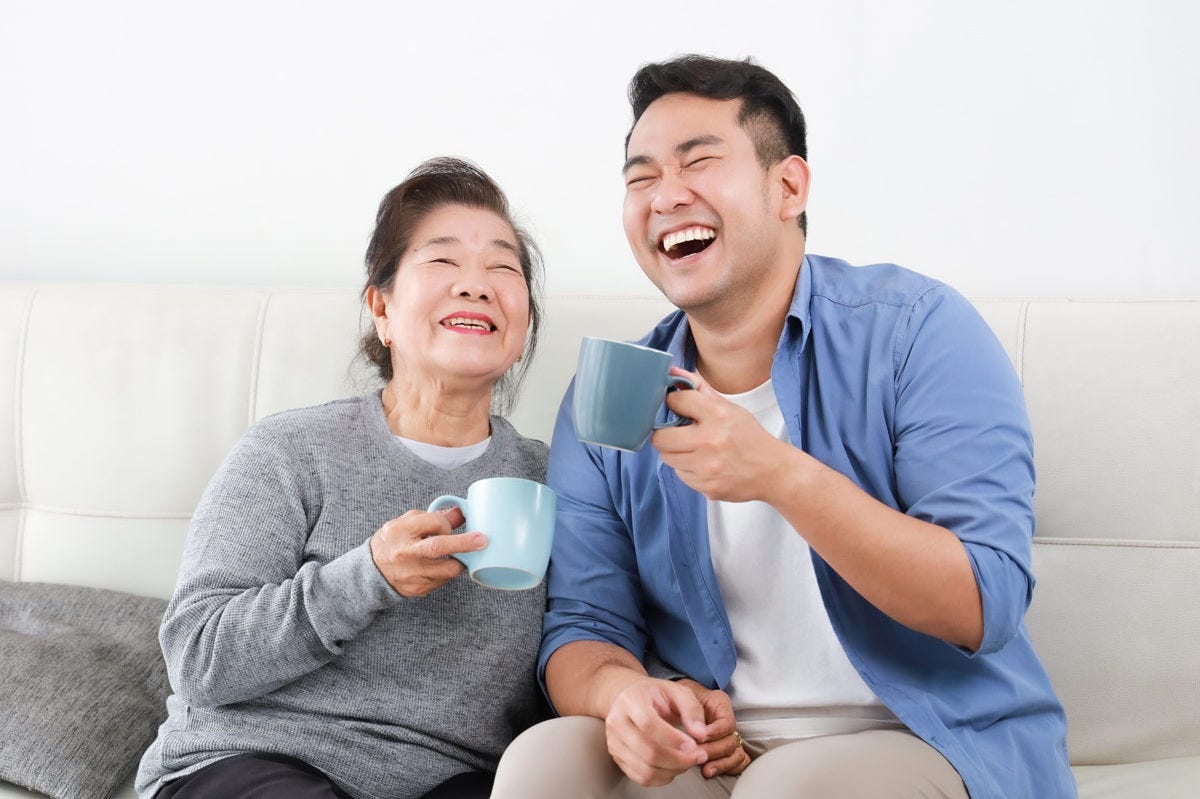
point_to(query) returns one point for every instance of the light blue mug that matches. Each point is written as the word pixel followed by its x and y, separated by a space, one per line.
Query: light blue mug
pixel 619 389
pixel 517 516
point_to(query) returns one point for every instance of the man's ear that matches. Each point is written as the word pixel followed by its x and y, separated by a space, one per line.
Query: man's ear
pixel 793 181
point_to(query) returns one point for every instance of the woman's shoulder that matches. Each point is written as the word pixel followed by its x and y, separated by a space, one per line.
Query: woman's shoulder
pixel 297 429
pixel 328 415
pixel 528 454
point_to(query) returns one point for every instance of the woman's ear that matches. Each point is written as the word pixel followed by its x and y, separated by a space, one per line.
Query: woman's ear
pixel 377 302
pixel 793 181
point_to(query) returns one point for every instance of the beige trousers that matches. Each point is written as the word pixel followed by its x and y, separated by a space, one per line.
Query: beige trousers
pixel 567 758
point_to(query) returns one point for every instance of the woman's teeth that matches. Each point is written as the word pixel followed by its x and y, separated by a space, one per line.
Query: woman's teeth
pixel 475 324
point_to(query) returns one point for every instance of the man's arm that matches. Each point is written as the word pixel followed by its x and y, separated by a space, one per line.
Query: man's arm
pixel 640 713
pixel 595 623
pixel 963 472
pixel 916 572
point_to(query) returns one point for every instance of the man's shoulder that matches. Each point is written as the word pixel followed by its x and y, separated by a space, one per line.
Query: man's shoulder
pixel 663 333
pixel 851 286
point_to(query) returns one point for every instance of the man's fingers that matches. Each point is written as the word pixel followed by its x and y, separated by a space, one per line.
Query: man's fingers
pixel 687 403
pixel 651 724
pixel 732 764
pixel 719 748
pixel 718 728
pixel 644 763
pixel 688 710
pixel 652 761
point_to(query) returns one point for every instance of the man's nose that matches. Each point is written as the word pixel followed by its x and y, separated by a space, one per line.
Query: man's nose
pixel 672 191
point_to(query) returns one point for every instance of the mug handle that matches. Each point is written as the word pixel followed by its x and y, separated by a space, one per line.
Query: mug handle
pixel 677 383
pixel 445 501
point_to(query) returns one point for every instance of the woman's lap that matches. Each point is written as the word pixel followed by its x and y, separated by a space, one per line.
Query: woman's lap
pixel 255 775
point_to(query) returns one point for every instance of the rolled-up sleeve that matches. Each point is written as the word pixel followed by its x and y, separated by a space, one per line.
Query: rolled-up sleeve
pixel 964 451
pixel 593 586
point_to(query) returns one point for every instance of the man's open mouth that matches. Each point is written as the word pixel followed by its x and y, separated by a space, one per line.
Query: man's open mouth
pixel 687 241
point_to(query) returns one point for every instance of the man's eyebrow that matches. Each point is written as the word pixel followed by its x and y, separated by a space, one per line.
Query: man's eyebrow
pixel 698 141
pixel 637 160
pixel 681 150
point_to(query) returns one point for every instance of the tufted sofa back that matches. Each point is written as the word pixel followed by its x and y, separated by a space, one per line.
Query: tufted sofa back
pixel 117 403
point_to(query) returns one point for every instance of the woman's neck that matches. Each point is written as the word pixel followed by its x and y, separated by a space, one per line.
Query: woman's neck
pixel 436 415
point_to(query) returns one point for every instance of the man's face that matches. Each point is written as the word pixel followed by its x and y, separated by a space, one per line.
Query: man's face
pixel 699 213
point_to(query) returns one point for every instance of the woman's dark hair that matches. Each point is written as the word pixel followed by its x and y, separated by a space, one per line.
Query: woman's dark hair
pixel 769 114
pixel 436 183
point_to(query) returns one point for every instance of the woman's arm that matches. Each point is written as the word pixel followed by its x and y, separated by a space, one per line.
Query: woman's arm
pixel 249 615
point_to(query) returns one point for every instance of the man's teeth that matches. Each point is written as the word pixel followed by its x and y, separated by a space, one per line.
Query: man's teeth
pixel 697 233
pixel 458 321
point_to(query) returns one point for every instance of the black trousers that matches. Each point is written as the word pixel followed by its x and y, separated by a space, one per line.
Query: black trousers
pixel 261 776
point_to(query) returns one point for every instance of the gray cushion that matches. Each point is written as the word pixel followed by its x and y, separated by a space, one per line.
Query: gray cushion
pixel 84 686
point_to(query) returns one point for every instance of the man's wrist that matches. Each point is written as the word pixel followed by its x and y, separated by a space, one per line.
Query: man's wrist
pixel 610 680
pixel 789 476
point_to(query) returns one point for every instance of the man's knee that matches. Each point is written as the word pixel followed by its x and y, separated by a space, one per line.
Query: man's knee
pixel 564 754
pixel 891 764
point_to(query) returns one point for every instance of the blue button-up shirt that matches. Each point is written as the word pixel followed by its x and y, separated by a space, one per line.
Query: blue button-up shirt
pixel 894 380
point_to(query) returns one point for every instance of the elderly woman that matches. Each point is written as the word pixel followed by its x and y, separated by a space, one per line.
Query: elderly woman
pixel 320 642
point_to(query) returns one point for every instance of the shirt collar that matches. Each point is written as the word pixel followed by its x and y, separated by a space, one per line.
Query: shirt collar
pixel 801 302
pixel 683 348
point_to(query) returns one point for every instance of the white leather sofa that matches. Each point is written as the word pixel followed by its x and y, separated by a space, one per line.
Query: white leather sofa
pixel 118 402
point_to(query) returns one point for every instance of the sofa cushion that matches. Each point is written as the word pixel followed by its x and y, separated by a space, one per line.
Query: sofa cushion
pixel 85 686
pixel 1114 623
pixel 1177 776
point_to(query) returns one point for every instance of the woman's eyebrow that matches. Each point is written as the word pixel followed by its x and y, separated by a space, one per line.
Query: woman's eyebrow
pixel 507 245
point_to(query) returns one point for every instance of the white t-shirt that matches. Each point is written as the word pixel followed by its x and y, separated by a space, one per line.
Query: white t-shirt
pixel 792 678
pixel 445 457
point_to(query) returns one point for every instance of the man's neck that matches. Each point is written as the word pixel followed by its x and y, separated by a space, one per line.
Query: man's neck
pixel 736 343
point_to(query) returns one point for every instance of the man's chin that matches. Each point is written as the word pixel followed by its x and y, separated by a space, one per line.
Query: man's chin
pixel 691 299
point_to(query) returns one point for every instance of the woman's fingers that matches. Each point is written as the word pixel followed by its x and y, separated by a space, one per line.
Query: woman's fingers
pixel 412 551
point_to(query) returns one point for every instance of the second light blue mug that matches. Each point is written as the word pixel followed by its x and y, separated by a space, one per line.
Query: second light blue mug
pixel 517 516
pixel 619 389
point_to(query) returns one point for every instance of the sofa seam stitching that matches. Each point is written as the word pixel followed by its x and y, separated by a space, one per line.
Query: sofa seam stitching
pixel 18 438
pixel 1129 543
pixel 1022 333
pixel 256 364
pixel 114 514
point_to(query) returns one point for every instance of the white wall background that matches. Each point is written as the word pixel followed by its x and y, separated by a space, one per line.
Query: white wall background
pixel 1021 149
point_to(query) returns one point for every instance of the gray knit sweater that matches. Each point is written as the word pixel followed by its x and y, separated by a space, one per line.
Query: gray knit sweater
pixel 283 636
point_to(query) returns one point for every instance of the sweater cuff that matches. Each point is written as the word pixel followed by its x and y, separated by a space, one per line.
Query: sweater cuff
pixel 349 591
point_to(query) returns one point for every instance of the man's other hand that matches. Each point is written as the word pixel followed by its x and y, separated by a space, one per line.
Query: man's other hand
pixel 652 730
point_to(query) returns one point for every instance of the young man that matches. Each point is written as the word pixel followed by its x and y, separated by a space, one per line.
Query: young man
pixel 826 572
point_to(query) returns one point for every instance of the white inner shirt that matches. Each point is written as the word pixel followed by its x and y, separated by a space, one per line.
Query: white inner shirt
pixel 792 678
pixel 445 457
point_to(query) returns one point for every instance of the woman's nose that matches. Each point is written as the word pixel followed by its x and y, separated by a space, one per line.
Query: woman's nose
pixel 472 284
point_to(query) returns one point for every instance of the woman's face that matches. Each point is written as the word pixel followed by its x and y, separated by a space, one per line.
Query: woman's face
pixel 458 310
